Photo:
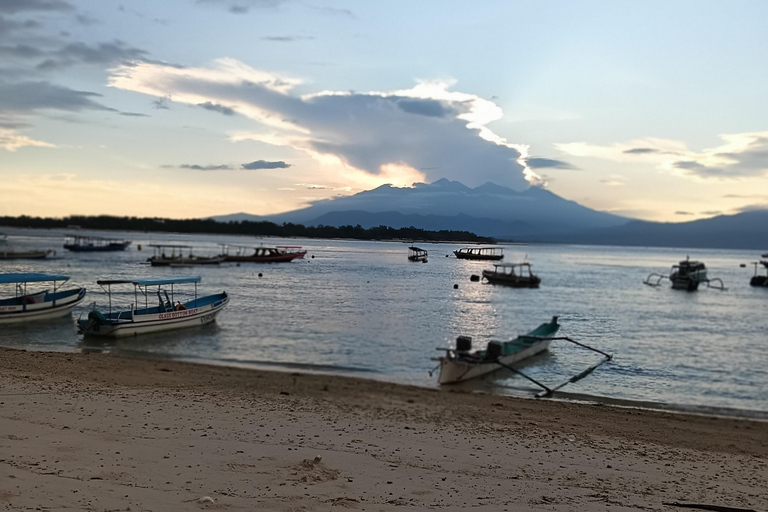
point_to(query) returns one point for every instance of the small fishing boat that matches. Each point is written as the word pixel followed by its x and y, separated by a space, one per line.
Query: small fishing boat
pixel 180 256
pixel 417 254
pixel 79 243
pixel 26 305
pixel 262 254
pixel 517 275
pixel 143 318
pixel 461 363
pixel 757 279
pixel 686 275
pixel 24 255
pixel 480 253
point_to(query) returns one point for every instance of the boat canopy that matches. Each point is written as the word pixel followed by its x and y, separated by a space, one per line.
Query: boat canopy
pixel 170 246
pixel 24 277
pixel 413 248
pixel 510 264
pixel 151 282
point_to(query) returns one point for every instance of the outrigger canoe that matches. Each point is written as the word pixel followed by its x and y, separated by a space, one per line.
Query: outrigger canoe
pixel 40 305
pixel 166 316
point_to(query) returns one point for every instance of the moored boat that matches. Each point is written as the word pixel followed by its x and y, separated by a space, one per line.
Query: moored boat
pixel 262 254
pixel 180 256
pixel 480 253
pixel 757 279
pixel 24 255
pixel 79 243
pixel 516 275
pixel 686 275
pixel 143 318
pixel 417 254
pixel 39 305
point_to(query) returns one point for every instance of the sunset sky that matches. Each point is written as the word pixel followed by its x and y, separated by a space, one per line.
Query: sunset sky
pixel 191 108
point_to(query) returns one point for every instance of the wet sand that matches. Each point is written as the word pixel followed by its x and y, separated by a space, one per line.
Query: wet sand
pixel 101 432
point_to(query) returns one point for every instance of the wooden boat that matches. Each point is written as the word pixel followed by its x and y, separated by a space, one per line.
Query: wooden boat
pixel 142 319
pixel 461 363
pixel 686 275
pixel 31 306
pixel 480 253
pixel 417 254
pixel 178 258
pixel 262 254
pixel 517 275
pixel 757 279
pixel 78 243
pixel 24 255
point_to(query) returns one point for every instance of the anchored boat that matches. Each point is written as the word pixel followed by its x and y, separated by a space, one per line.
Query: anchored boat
pixel 480 253
pixel 686 275
pixel 517 275
pixel 417 254
pixel 461 363
pixel 142 318
pixel 26 305
pixel 24 255
pixel 262 254
pixel 757 279
pixel 180 256
pixel 78 243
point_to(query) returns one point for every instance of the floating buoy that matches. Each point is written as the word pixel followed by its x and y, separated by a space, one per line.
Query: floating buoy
pixel 313 256
pixel 259 274
pixel 474 278
pixel 455 287
pixel 742 265
pixel 138 247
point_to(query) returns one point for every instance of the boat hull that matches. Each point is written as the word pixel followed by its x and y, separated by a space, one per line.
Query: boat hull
pixel 455 370
pixel 185 262
pixel 490 257
pixel 266 259
pixel 47 309
pixel 29 255
pixel 115 246
pixel 154 322
pixel 759 281
pixel 512 281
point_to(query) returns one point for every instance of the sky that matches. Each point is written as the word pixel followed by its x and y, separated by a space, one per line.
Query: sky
pixel 654 110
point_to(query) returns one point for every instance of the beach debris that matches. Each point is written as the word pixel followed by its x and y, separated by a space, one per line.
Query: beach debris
pixel 205 499
pixel 317 459
pixel 715 508
pixel 313 471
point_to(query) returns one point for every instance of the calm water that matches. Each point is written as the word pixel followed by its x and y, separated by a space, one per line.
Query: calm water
pixel 361 308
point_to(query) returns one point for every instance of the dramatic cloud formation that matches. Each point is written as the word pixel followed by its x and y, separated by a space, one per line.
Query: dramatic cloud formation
pixel 741 155
pixel 428 127
pixel 261 164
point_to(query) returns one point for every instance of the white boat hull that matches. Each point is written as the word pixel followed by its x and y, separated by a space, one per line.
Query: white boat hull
pixel 453 370
pixel 158 322
pixel 40 310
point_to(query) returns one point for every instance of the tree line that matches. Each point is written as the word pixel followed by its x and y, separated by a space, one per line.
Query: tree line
pixel 245 227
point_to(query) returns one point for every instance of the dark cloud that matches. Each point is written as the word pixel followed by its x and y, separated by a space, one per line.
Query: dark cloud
pixel 86 20
pixel 431 108
pixel 263 164
pixel 287 39
pixel 242 6
pixel 543 163
pixel 752 207
pixel 196 167
pixel 21 51
pixel 161 104
pixel 712 212
pixel 683 213
pixel 641 151
pixel 100 54
pixel 217 108
pixel 27 97
pixel 688 165
pixel 14 6
pixel 133 114
pixel 7 26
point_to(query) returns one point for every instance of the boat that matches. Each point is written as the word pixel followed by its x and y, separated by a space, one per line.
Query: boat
pixel 143 318
pixel 417 254
pixel 757 279
pixel 24 255
pixel 178 258
pixel 27 305
pixel 480 253
pixel 517 275
pixel 262 254
pixel 686 275
pixel 461 363
pixel 80 243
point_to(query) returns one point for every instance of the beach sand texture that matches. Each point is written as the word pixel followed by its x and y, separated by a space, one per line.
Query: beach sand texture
pixel 100 432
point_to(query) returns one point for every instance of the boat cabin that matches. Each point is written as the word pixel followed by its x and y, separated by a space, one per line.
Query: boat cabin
pixel 417 254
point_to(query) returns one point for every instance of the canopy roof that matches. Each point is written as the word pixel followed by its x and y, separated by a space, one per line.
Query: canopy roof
pixel 24 277
pixel 150 282
pixel 170 246
pixel 414 248
pixel 510 264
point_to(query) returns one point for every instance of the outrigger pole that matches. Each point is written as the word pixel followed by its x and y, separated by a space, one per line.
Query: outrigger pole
pixel 547 390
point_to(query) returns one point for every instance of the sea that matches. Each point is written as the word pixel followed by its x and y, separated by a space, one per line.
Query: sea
pixel 360 308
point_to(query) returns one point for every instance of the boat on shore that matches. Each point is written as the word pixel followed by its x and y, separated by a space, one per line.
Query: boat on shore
pixel 516 275
pixel 28 305
pixel 180 256
pixel 417 254
pixel 461 363
pixel 143 318
pixel 24 255
pixel 480 253
pixel 262 254
pixel 686 275
pixel 80 243
pixel 757 279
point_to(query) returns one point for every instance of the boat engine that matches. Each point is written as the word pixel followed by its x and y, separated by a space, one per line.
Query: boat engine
pixel 463 344
pixel 494 351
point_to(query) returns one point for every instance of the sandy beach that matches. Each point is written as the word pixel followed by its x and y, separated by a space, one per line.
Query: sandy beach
pixel 100 432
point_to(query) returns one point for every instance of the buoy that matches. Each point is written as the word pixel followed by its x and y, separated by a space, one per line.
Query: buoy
pixel 313 256
pixel 138 247
pixel 455 287
pixel 259 274
pixel 743 265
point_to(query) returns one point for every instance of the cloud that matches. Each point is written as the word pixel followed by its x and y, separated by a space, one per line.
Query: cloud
pixel 7 26
pixel 133 114
pixel 333 11
pixel 640 151
pixel 427 126
pixel 752 207
pixel 196 167
pixel 542 163
pixel 287 39
pixel 217 108
pixel 683 213
pixel 242 6
pixel 21 51
pixel 261 164
pixel 25 97
pixel 14 6
pixel 99 54
pixel 11 140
